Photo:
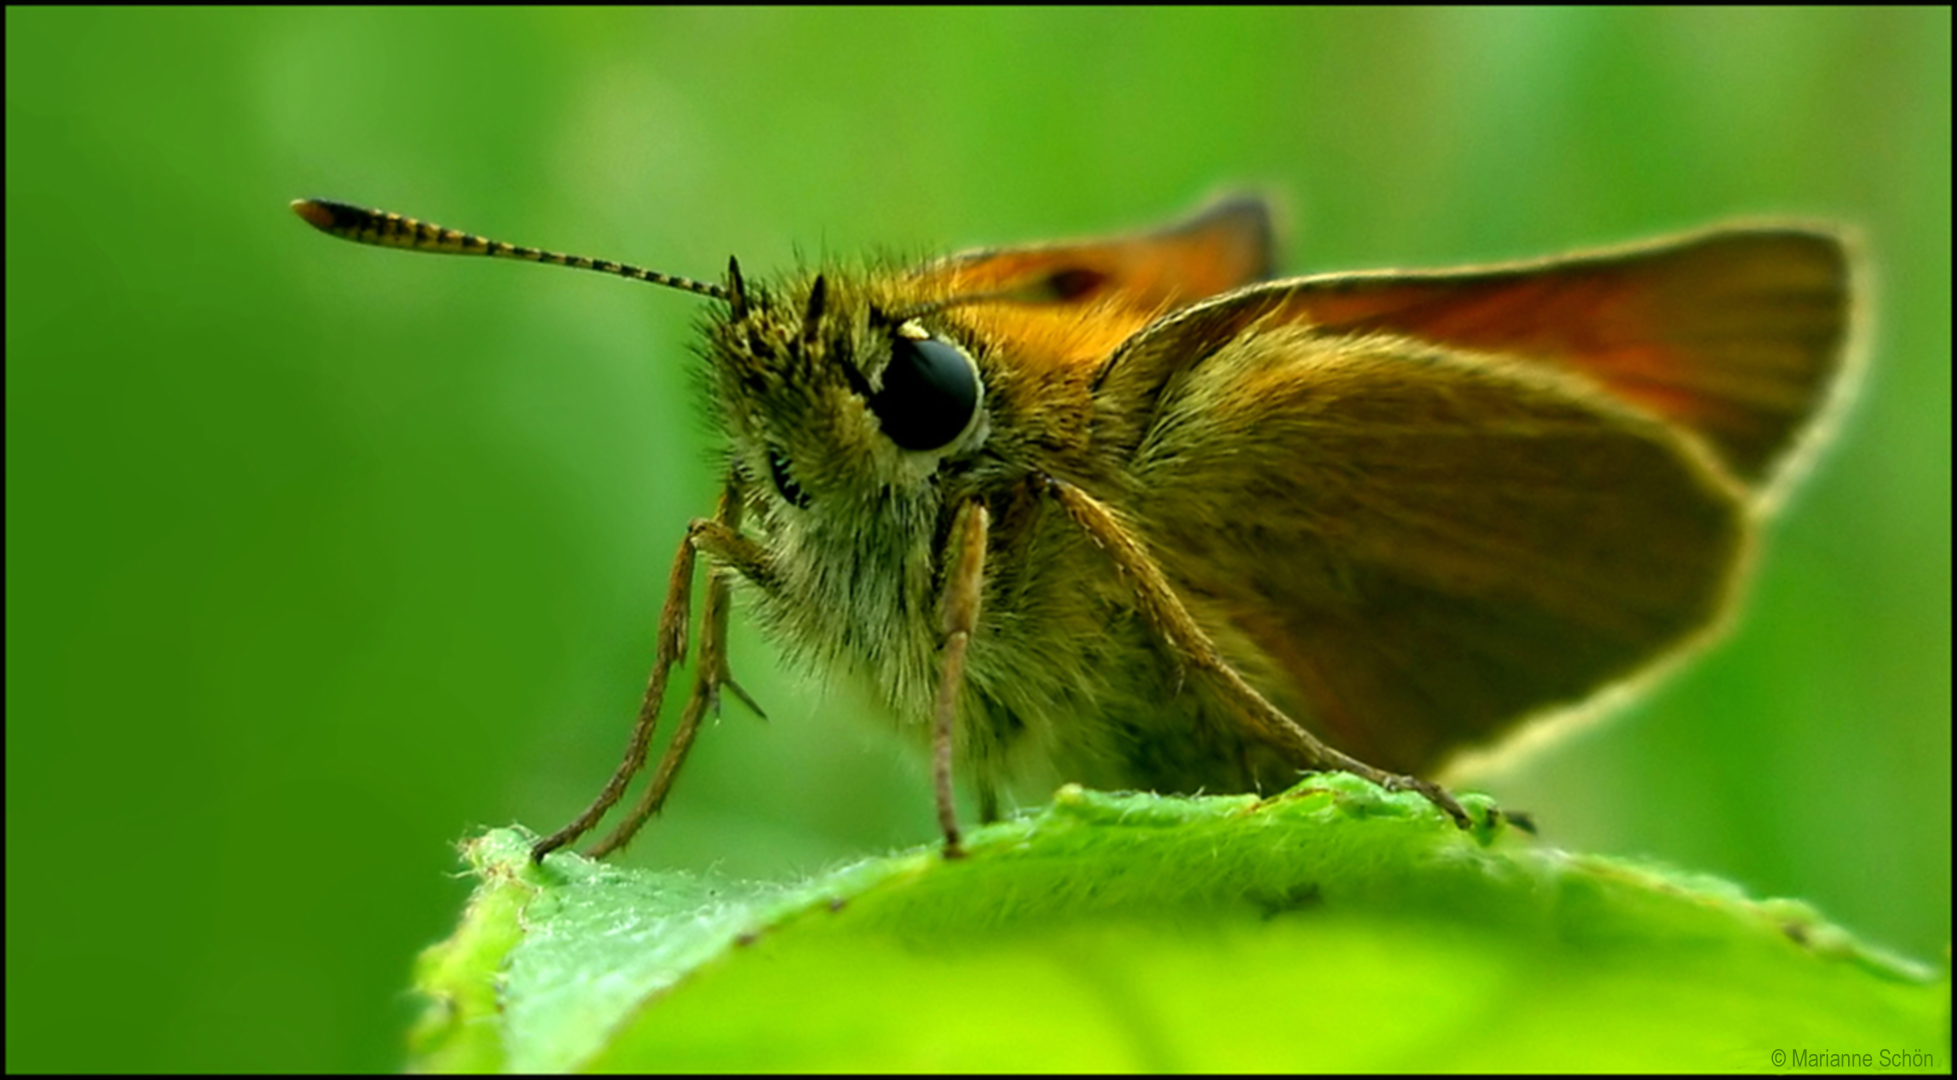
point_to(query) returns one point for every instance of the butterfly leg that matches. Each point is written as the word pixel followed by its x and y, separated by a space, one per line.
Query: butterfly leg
pixel 962 588
pixel 1166 613
pixel 720 538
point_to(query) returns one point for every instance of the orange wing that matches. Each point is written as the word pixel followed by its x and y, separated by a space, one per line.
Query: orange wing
pixel 1418 508
pixel 1074 303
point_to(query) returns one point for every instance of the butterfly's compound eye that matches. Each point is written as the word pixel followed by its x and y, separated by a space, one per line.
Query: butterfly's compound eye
pixel 930 394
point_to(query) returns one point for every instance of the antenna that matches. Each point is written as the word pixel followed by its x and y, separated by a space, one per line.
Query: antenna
pixel 382 229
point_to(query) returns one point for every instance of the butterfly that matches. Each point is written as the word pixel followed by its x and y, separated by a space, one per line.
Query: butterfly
pixel 1130 513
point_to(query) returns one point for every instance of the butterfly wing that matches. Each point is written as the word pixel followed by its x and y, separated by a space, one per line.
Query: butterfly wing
pixel 1415 527
pixel 1734 334
pixel 1071 304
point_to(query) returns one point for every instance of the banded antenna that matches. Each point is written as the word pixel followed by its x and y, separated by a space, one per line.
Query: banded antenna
pixel 382 229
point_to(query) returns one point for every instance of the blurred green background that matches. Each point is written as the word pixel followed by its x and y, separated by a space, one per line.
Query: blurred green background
pixel 319 557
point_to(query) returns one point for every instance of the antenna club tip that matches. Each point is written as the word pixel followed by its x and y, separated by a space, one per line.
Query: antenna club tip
pixel 313 212
pixel 316 212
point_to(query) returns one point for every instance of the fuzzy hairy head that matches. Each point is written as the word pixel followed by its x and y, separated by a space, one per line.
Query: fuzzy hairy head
pixel 834 398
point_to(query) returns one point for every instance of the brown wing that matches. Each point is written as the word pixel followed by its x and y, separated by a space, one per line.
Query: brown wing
pixel 1411 550
pixel 1075 302
pixel 1418 508
pixel 1737 335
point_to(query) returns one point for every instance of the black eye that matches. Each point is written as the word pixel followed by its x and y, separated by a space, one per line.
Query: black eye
pixel 930 391
pixel 784 483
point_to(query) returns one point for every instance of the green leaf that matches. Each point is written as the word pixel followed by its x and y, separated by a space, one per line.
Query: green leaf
pixel 1335 927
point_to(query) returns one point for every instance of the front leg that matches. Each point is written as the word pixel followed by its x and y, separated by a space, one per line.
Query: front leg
pixel 720 538
pixel 963 585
